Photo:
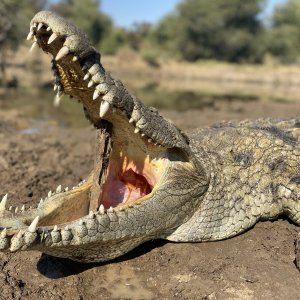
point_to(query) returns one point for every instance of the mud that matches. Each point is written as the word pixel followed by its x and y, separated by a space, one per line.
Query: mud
pixel 36 157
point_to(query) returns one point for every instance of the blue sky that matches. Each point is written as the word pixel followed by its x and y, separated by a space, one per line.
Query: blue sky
pixel 126 12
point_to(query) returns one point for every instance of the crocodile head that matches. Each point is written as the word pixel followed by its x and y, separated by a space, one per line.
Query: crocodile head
pixel 146 182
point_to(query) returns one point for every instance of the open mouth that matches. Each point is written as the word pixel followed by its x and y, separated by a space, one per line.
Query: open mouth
pixel 129 163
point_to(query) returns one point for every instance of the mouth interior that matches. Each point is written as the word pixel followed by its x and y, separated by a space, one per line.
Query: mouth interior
pixel 134 167
pixel 132 170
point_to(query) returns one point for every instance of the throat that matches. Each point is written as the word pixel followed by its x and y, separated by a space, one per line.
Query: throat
pixel 124 188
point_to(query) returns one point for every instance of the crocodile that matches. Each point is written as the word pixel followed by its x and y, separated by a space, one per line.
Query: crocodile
pixel 151 180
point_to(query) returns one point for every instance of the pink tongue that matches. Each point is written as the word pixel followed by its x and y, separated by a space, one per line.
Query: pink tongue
pixel 120 193
pixel 127 189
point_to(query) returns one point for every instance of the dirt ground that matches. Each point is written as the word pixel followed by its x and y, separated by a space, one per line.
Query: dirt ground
pixel 37 156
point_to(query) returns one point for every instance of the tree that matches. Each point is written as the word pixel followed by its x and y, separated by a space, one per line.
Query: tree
pixel 15 16
pixel 284 35
pixel 87 16
pixel 219 29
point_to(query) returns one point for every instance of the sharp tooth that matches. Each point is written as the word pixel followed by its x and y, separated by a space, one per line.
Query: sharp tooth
pixel 34 45
pixel 23 207
pixel 62 53
pixel 3 233
pixel 131 120
pixel 67 228
pixel 49 194
pixel 91 83
pixel 110 210
pixel 96 95
pixel 102 209
pixel 33 225
pixel 55 228
pixel 143 134
pixel 30 35
pixel 52 37
pixel 17 209
pixel 3 203
pixel 34 25
pixel 57 100
pixel 75 58
pixel 40 26
pixel 48 28
pixel 58 189
pixel 66 189
pixel 84 67
pixel 104 107
pixel 136 130
pixel 10 208
pixel 55 87
pixel 91 214
pixel 86 76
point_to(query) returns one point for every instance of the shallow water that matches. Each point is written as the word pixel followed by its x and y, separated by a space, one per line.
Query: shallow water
pixel 169 94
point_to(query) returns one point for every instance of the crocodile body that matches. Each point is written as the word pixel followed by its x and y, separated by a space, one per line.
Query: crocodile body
pixel 150 180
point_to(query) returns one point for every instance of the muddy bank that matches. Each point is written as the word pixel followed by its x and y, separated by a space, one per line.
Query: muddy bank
pixel 36 157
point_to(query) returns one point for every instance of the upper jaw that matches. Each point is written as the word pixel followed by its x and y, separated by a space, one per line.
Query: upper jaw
pixel 79 73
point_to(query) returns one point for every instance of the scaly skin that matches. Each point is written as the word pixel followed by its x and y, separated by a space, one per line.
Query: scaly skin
pixel 150 180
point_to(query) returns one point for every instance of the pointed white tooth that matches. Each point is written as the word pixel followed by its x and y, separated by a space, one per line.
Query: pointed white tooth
pixel 131 120
pixel 10 208
pixel 66 189
pixel 136 130
pixel 91 83
pixel 84 67
pixel 96 95
pixel 58 189
pixel 143 134
pixel 17 209
pixel 67 227
pixel 23 207
pixel 104 107
pixel 40 26
pixel 49 194
pixel 34 45
pixel 3 203
pixel 32 227
pixel 110 210
pixel 57 100
pixel 102 209
pixel 62 53
pixel 30 35
pixel 52 37
pixel 75 58
pixel 55 87
pixel 34 24
pixel 3 233
pixel 55 228
pixel 19 235
pixel 48 28
pixel 91 214
pixel 86 76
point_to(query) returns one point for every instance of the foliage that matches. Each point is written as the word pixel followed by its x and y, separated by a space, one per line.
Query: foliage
pixel 86 15
pixel 224 30
pixel 284 35
pixel 15 16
